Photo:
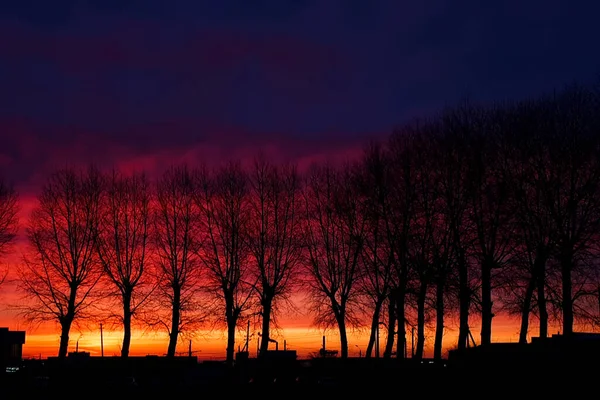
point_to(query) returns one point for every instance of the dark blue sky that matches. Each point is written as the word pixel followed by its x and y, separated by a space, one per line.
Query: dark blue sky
pixel 142 82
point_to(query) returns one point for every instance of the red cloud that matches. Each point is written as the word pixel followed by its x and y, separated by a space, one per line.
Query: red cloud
pixel 33 150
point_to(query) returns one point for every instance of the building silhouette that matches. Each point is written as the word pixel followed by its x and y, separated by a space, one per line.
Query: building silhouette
pixel 11 349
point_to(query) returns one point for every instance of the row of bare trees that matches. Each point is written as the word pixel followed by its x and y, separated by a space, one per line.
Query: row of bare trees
pixel 172 252
pixel 478 211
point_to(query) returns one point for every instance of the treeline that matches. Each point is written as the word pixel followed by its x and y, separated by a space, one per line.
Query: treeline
pixel 482 209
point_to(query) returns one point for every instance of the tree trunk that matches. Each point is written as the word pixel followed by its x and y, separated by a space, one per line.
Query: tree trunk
pixel 374 327
pixel 421 319
pixel 541 295
pixel 266 322
pixel 126 324
pixel 231 318
pixel 175 318
pixel 566 267
pixel 65 328
pixel 464 300
pixel 341 320
pixel 486 302
pixel 231 324
pixel 66 322
pixel 526 308
pixel 401 315
pixel 389 344
pixel 439 314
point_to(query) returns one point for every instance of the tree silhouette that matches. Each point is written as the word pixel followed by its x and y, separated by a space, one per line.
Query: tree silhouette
pixel 422 243
pixel 573 186
pixel 335 234
pixel 61 270
pixel 176 242
pixel 489 199
pixel 453 144
pixel 274 237
pixel 450 202
pixel 377 257
pixel 399 221
pixel 526 170
pixel 223 203
pixel 123 244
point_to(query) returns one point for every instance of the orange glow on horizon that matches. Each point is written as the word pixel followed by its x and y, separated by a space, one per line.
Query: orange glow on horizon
pixel 211 345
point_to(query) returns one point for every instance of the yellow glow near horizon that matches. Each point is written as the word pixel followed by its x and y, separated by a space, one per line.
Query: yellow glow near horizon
pixel 212 344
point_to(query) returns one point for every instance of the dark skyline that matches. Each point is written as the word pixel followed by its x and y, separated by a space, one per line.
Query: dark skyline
pixel 145 83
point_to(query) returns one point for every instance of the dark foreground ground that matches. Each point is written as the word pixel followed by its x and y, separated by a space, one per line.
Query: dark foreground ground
pixel 183 376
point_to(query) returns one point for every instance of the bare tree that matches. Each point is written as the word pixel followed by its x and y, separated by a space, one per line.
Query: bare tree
pixel 450 203
pixel 399 221
pixel 458 130
pixel 9 220
pixel 62 269
pixel 526 170
pixel 177 243
pixel 123 244
pixel 335 231
pixel 377 257
pixel 422 251
pixel 224 207
pixel 274 237
pixel 489 200
pixel 573 186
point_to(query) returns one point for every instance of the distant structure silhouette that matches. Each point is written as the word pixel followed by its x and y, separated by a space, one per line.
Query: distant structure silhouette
pixel 11 349
pixel 552 353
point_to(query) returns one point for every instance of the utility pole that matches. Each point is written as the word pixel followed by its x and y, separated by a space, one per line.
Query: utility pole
pixel 247 338
pixel 101 341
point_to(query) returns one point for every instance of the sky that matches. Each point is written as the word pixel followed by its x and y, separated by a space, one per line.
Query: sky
pixel 141 84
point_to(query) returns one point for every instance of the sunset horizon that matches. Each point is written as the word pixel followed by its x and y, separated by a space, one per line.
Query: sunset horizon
pixel 210 345
pixel 329 192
